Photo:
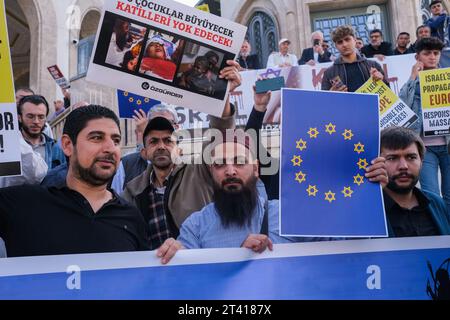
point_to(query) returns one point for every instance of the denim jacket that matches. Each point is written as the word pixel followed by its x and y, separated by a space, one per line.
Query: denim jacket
pixel 54 156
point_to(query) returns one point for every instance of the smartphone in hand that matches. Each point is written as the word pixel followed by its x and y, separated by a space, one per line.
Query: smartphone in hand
pixel 337 82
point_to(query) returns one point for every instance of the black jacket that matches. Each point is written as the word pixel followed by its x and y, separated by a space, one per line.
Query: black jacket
pixel 251 63
pixel 338 69
pixel 308 54
pixel 271 182
pixel 384 49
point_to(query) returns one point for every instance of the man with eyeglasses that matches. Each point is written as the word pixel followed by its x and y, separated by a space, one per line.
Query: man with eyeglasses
pixel 33 111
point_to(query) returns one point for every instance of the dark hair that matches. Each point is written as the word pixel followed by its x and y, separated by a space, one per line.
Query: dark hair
pixel 26 89
pixel 421 27
pixel 429 44
pixel 399 138
pixel 119 23
pixel 341 32
pixel 376 31
pixel 202 60
pixel 360 39
pixel 210 54
pixel 403 34
pixel 34 99
pixel 127 58
pixel 77 120
pixel 435 2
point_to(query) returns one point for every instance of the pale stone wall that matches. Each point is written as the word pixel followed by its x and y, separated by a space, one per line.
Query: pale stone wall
pixel 41 17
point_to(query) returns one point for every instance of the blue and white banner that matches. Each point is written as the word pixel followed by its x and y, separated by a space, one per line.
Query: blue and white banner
pixel 407 268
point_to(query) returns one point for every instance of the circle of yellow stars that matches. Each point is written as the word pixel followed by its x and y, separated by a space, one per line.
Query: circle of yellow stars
pixel 300 176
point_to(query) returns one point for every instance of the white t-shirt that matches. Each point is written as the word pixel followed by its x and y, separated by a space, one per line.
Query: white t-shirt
pixel 276 59
pixel 115 55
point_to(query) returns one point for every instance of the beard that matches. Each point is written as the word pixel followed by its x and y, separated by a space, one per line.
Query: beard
pixel 92 175
pixel 30 133
pixel 245 54
pixel 236 207
pixel 393 186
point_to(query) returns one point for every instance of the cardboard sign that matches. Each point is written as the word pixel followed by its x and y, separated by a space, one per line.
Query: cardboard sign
pixel 165 51
pixel 393 111
pixel 327 142
pixel 435 95
pixel 59 78
pixel 10 159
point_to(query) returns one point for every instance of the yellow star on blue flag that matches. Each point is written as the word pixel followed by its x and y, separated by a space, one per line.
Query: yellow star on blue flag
pixel 129 102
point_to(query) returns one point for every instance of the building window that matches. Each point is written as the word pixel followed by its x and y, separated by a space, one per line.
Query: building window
pixel 425 9
pixel 87 38
pixel 85 48
pixel 263 36
pixel 362 19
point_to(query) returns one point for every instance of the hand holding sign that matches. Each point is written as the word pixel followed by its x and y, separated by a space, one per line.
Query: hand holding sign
pixel 376 75
pixel 231 73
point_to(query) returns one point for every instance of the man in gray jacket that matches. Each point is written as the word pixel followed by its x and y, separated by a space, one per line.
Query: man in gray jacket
pixel 351 70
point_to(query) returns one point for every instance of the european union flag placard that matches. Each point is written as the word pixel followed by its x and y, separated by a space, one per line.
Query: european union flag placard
pixel 129 102
pixel 328 140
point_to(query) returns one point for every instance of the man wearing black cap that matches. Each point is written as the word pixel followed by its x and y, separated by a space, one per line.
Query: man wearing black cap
pixel 147 191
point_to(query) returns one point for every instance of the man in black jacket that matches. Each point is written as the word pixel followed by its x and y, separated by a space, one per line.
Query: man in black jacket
pixel 246 60
pixel 315 54
pixel 377 47
pixel 351 70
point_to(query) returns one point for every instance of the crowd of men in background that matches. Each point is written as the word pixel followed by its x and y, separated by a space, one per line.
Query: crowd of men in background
pixel 92 200
pixel 436 26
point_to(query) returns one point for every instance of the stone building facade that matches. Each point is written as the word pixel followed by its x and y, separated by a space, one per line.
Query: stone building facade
pixel 269 21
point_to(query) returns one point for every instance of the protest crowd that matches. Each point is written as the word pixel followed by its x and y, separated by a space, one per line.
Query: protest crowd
pixel 77 194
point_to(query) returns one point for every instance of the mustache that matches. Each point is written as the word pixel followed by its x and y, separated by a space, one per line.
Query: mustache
pixel 108 158
pixel 159 153
pixel 232 180
pixel 403 175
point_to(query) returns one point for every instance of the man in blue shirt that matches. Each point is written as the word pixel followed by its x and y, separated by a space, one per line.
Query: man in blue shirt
pixel 239 216
pixel 438 22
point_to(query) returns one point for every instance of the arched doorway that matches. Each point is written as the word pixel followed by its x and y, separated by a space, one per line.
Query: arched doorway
pixel 88 30
pixel 19 40
pixel 32 28
pixel 263 35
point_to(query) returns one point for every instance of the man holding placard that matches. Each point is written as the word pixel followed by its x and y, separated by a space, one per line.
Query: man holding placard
pixel 351 70
pixel 426 95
